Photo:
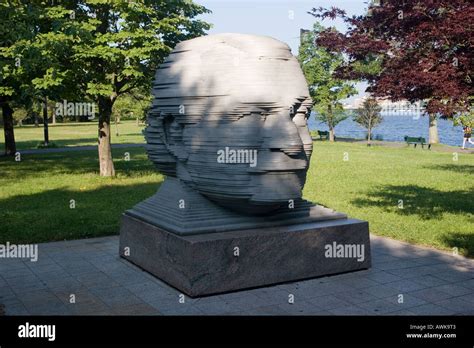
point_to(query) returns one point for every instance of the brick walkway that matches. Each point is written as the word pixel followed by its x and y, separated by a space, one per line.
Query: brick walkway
pixel 431 283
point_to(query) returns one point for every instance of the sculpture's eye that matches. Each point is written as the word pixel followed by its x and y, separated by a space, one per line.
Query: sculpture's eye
pixel 302 108
pixel 300 113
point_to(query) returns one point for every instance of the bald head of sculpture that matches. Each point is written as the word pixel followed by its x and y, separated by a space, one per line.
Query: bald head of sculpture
pixel 229 120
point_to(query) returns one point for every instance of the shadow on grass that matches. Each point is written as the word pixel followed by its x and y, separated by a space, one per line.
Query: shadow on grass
pixel 427 203
pixel 461 242
pixel 67 143
pixel 49 215
pixel 457 168
pixel 33 144
pixel 80 162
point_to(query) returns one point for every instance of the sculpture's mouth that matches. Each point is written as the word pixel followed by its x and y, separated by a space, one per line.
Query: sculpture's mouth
pixel 270 191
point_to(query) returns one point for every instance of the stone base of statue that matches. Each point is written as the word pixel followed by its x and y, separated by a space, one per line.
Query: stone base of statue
pixel 202 263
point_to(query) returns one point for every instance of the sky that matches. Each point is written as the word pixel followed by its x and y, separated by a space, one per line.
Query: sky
pixel 281 19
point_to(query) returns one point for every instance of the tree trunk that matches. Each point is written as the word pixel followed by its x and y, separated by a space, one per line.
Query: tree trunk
pixel 45 122
pixel 331 134
pixel 53 114
pixel 10 146
pixel 330 119
pixel 369 136
pixel 116 127
pixel 105 150
pixel 433 131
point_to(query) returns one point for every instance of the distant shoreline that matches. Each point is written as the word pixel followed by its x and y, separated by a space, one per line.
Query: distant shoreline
pixel 400 144
pixel 394 128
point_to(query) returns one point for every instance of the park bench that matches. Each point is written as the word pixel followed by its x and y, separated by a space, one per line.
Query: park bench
pixel 417 140
pixel 323 135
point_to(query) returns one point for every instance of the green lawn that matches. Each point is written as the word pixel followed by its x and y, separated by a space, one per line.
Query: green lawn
pixel 35 194
pixel 73 134
pixel 437 193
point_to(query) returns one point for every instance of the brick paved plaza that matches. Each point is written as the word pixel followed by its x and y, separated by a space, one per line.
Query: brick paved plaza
pixel 430 282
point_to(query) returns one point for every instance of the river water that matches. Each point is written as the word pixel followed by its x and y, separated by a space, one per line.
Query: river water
pixel 394 128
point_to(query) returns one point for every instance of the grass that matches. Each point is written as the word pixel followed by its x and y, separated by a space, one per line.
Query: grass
pixel 74 134
pixel 35 195
pixel 437 193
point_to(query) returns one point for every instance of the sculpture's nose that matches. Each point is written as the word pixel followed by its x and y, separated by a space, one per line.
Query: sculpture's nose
pixel 281 134
pixel 301 125
pixel 283 147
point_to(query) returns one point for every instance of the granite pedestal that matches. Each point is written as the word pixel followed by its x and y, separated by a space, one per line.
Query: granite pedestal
pixel 204 264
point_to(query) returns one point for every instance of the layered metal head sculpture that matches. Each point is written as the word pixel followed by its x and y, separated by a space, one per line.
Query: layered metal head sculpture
pixel 228 120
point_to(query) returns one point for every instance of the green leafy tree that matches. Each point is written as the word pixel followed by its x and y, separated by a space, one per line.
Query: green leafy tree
pixel 93 50
pixel 326 89
pixel 54 38
pixel 464 120
pixel 132 106
pixel 35 50
pixel 368 116
pixel 121 45
pixel 13 27
pixel 424 47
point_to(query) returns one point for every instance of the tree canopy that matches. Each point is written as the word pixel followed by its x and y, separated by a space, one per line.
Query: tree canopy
pixel 423 49
pixel 90 50
pixel 327 90
pixel 368 116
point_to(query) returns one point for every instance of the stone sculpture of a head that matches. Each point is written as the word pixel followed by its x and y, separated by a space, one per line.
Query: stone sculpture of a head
pixel 228 119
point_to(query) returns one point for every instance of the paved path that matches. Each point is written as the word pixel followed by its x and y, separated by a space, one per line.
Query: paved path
pixel 431 283
pixel 75 148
